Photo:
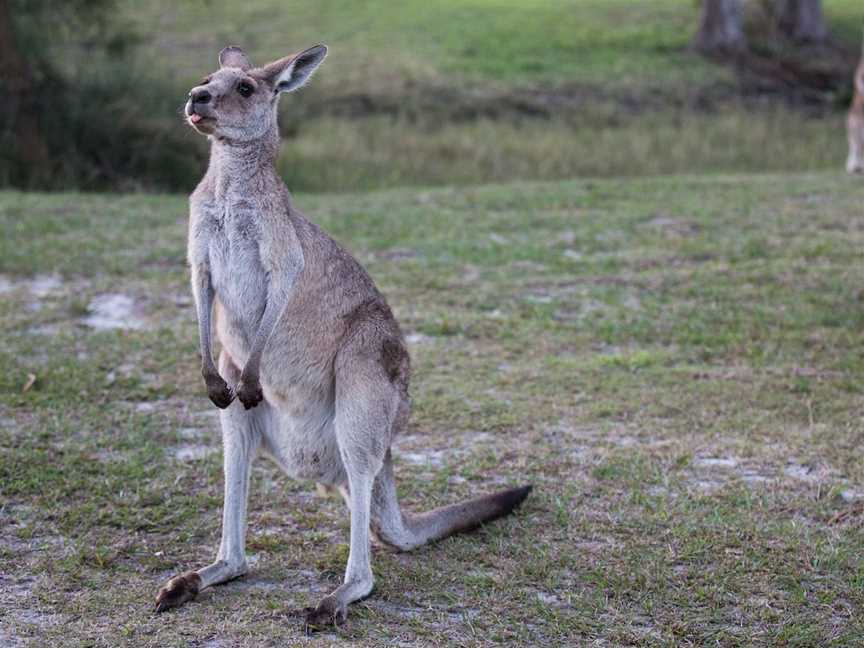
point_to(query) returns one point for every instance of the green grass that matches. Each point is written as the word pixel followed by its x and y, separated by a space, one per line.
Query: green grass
pixel 675 363
pixel 420 93
pixel 617 42
pixel 378 152
pixel 479 39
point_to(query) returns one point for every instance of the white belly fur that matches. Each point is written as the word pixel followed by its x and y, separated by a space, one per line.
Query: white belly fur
pixel 302 441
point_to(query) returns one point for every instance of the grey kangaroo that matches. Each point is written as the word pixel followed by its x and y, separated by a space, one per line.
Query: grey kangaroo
pixel 313 370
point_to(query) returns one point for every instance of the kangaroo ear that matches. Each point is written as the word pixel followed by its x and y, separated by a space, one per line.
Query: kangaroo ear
pixel 234 57
pixel 294 71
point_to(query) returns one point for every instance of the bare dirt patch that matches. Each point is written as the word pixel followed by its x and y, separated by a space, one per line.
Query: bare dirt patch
pixel 190 452
pixel 114 311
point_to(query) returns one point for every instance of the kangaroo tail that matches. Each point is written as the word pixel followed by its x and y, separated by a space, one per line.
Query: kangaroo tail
pixel 407 531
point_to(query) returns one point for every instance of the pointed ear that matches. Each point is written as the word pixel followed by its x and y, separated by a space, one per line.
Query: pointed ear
pixel 234 57
pixel 294 71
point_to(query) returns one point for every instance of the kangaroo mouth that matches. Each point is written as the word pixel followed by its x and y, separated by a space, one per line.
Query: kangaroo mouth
pixel 198 119
pixel 201 123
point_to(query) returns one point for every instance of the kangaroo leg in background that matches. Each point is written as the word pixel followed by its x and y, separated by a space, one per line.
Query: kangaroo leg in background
pixel 855 161
pixel 365 409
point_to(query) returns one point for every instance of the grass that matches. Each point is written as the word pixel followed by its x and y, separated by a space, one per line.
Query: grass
pixel 378 152
pixel 616 42
pixel 419 93
pixel 497 40
pixel 675 363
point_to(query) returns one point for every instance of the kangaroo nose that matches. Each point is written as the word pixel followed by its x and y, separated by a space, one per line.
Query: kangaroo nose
pixel 200 96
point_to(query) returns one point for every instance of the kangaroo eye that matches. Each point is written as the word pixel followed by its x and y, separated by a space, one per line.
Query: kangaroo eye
pixel 245 89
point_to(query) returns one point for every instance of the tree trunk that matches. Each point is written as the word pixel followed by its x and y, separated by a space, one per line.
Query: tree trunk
pixel 801 20
pixel 16 82
pixel 721 28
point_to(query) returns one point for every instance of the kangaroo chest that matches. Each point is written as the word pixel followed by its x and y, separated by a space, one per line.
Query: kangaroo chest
pixel 237 274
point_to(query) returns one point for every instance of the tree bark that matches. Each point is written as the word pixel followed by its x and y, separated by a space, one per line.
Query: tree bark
pixel 801 20
pixel 721 28
pixel 16 80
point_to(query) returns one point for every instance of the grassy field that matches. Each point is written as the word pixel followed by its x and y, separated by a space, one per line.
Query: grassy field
pixel 675 363
pixel 377 42
pixel 420 93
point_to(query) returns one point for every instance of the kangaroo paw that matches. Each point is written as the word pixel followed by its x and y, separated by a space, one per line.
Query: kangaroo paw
pixel 250 394
pixel 219 392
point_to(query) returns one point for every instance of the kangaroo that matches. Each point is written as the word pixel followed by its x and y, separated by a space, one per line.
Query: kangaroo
pixel 313 370
pixel 855 124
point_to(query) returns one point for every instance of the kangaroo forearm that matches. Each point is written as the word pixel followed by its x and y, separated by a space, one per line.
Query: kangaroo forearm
pixel 265 331
pixel 281 286
pixel 205 343
pixel 203 292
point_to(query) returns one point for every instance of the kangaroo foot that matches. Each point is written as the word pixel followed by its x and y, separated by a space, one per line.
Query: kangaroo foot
pixel 177 591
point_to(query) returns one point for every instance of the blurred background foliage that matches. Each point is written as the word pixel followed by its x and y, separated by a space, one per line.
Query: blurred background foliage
pixel 419 92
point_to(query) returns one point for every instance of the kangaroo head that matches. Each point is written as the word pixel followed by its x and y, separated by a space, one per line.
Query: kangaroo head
pixel 238 101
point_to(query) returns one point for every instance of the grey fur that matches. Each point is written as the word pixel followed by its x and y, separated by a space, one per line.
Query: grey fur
pixel 323 388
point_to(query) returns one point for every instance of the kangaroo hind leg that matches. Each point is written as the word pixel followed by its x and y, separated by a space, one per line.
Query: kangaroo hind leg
pixel 365 410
